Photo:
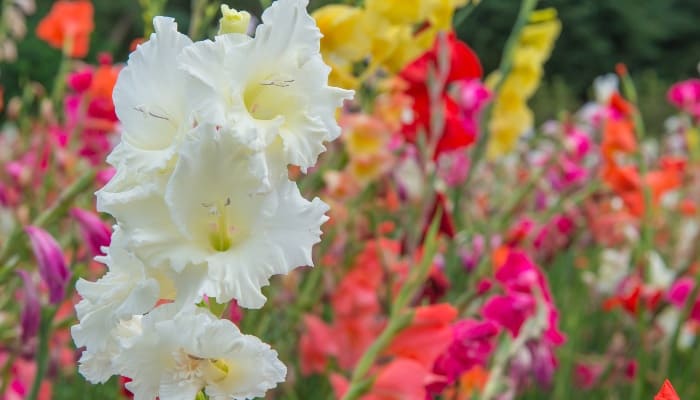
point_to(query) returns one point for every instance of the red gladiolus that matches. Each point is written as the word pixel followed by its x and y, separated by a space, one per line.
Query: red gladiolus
pixel 68 23
pixel 667 392
pixel 463 66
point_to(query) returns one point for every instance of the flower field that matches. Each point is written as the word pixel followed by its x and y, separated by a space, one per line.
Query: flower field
pixel 299 199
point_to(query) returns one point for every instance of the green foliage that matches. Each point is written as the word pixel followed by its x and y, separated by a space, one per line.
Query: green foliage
pixel 659 35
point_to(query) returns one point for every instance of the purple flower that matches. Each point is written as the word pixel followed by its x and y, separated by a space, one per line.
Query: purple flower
pixel 52 265
pixel 30 317
pixel 95 232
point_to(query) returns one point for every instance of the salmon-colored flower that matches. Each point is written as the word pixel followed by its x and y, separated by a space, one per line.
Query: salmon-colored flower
pixel 69 23
pixel 428 336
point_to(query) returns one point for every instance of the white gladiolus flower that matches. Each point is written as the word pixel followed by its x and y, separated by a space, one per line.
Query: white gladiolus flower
pixel 273 88
pixel 203 203
pixel 212 216
pixel 177 355
pixel 124 291
pixel 149 99
pixel 97 366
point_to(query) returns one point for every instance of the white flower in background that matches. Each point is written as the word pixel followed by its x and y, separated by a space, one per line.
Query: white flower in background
pixel 212 216
pixel 149 99
pixel 660 276
pixel 273 88
pixel 180 353
pixel 604 87
pixel 613 267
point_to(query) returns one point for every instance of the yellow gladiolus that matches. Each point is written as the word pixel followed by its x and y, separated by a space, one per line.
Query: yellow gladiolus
pixel 399 12
pixel 388 33
pixel 511 115
pixel 344 32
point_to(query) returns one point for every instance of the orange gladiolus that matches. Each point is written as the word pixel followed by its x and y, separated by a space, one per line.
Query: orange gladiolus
pixel 69 23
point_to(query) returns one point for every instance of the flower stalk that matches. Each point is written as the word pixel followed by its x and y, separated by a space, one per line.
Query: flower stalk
pixel 399 318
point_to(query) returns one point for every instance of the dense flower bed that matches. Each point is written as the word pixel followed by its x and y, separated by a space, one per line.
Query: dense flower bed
pixel 459 251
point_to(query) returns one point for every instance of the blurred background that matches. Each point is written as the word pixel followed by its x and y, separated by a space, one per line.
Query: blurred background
pixel 658 39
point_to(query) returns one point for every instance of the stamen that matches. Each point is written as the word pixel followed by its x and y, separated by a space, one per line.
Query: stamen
pixel 147 113
pixel 220 236
pixel 278 83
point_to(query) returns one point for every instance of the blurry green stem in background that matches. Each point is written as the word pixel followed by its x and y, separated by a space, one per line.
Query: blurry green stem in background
pixel 59 85
pixel 504 69
pixel 399 318
pixel 672 352
pixel 12 245
pixel 202 14
pixel 643 250
pixel 463 13
pixel 150 9
pixel 42 358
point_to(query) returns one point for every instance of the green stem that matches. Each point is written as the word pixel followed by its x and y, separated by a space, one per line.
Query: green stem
pixel 685 313
pixel 646 242
pixel 462 14
pixel 57 210
pixel 42 359
pixel 398 317
pixel 59 86
pixel 504 69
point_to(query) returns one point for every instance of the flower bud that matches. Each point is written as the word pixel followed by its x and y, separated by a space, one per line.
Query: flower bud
pixel 30 317
pixel 233 21
pixel 52 265
pixel 94 231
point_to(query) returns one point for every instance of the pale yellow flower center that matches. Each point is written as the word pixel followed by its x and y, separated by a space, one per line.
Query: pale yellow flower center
pixel 223 234
pixel 270 97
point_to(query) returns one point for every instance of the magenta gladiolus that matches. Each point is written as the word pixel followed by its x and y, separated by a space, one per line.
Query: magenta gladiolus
pixel 685 95
pixel 472 344
pixel 52 265
pixel 95 232
pixel 30 317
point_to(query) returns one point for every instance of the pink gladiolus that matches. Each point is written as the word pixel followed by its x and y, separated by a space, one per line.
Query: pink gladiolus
pixel 510 311
pixel 685 95
pixel 52 265
pixel 472 96
pixel 678 295
pixel 453 167
pixel 30 317
pixel 80 81
pixel 104 176
pixel 586 375
pixel 472 344
pixel 95 232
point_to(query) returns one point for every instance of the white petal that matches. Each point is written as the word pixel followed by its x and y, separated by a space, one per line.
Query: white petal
pixel 126 290
pixel 149 93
